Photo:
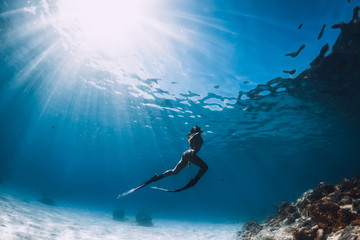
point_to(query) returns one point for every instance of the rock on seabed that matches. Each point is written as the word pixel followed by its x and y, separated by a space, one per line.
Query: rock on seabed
pixel 326 212
pixel 143 218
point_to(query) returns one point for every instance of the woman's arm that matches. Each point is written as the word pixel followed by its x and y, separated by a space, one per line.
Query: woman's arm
pixel 196 142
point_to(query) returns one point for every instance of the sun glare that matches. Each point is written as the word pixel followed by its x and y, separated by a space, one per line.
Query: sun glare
pixel 99 23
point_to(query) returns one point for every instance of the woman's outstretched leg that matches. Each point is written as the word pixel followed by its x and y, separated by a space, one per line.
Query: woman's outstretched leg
pixel 180 166
pixel 203 168
pixel 200 163
pixel 188 156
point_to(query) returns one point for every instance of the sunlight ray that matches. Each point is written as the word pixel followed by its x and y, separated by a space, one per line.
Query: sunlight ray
pixel 24 73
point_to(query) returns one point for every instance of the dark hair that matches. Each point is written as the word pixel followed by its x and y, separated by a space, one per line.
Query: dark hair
pixel 195 129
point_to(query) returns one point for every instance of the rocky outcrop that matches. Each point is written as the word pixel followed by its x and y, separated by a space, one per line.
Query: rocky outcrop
pixel 249 229
pixel 326 212
pixel 144 218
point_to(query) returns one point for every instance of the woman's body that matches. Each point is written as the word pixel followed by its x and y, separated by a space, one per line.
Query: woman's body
pixel 189 156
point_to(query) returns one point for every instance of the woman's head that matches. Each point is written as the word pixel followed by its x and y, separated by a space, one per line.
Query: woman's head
pixel 196 129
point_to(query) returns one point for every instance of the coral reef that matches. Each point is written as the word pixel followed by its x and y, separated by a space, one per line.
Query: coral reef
pixel 326 212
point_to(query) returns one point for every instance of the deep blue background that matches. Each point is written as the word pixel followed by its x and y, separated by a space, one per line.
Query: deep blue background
pixel 70 140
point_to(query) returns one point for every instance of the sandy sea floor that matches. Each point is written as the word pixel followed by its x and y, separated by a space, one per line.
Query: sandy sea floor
pixel 21 218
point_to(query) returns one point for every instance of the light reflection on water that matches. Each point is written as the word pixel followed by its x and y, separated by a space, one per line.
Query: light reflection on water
pixel 149 58
pixel 147 70
pixel 141 42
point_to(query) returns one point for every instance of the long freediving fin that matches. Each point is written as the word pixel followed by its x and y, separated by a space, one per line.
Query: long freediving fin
pixel 189 185
pixel 153 179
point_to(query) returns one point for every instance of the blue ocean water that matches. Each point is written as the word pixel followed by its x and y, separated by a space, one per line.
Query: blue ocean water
pixel 98 96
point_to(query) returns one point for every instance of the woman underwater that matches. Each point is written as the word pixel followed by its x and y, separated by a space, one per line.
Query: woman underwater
pixel 195 141
pixel 189 156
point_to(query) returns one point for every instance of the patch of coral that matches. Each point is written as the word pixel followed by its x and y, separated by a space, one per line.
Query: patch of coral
pixel 326 212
